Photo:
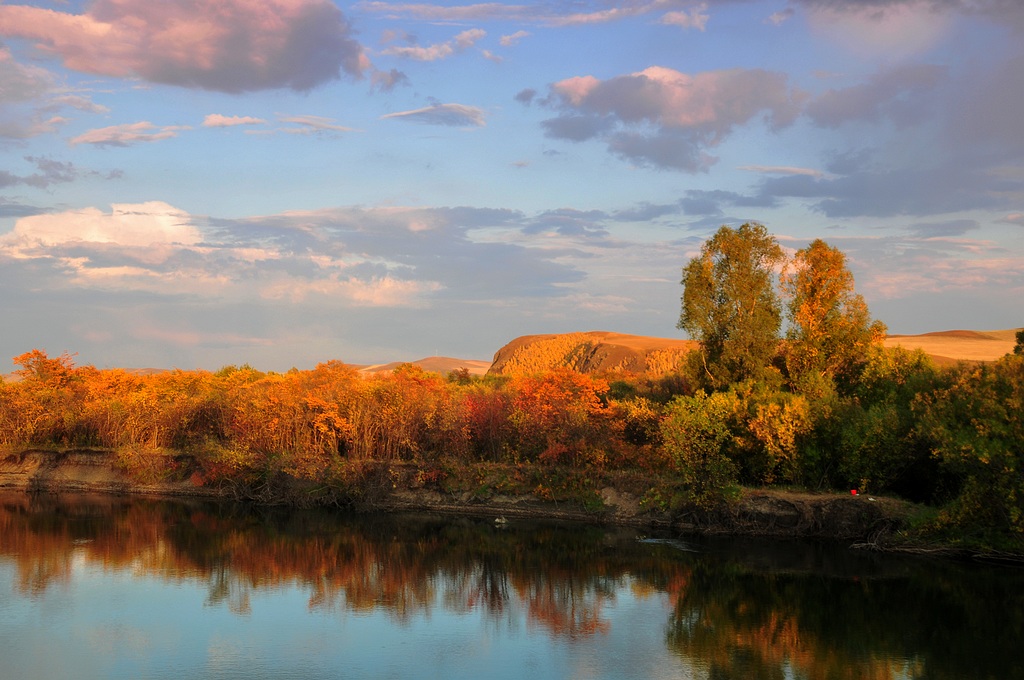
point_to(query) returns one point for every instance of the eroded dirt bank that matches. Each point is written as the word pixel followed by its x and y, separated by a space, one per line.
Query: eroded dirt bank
pixel 758 512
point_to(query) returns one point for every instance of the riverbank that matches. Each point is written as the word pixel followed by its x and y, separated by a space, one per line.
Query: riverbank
pixel 861 519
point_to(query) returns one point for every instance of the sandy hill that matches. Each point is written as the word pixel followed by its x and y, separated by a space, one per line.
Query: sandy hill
pixel 601 351
pixel 590 352
pixel 947 347
pixel 443 365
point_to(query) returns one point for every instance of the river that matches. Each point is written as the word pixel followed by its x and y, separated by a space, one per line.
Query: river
pixel 112 587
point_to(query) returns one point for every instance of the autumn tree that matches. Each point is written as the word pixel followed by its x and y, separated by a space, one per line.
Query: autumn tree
pixel 697 434
pixel 976 429
pixel 730 306
pixel 54 372
pixel 45 407
pixel 830 327
pixel 557 415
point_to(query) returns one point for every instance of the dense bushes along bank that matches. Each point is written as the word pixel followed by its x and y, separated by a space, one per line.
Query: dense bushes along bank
pixel 948 438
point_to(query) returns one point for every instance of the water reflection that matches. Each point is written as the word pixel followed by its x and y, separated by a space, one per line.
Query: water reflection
pixel 600 600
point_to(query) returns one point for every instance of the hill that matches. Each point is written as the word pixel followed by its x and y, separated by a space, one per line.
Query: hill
pixel 590 352
pixel 601 351
pixel 443 365
pixel 947 347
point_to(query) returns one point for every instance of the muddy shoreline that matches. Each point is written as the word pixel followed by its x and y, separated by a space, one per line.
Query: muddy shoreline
pixel 863 520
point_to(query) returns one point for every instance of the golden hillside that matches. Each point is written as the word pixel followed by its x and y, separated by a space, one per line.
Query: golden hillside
pixel 947 347
pixel 601 351
pixel 590 352
pixel 441 365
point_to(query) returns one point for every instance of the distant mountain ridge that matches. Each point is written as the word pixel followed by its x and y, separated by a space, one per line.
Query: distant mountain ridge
pixel 604 352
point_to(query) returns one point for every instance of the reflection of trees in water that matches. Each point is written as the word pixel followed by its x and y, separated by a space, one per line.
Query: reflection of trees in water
pixel 751 614
pixel 567 607
pixel 483 585
pixel 740 623
pixel 558 576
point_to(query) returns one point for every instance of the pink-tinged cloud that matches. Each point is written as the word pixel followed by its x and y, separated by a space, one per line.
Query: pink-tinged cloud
pixel 782 170
pixel 185 338
pixel 1014 218
pixel 693 19
pixel 383 291
pixel 20 82
pixel 696 18
pixel 713 101
pixel 491 11
pixel 668 119
pixel 456 115
pixel 385 81
pixel 24 109
pixel 936 276
pixel 126 135
pixel 897 95
pixel 459 43
pixel 513 39
pixel 77 102
pixel 310 124
pixel 218 120
pixel 229 45
pixel 499 12
pixel 892 28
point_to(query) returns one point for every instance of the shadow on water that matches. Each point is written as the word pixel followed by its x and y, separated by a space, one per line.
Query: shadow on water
pixel 733 608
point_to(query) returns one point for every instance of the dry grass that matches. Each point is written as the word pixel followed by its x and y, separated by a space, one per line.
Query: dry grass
pixel 953 346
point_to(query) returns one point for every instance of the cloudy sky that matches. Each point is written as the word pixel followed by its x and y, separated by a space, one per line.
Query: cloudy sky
pixel 194 183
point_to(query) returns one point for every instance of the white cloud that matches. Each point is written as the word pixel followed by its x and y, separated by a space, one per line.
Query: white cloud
pixel 136 225
pixel 347 257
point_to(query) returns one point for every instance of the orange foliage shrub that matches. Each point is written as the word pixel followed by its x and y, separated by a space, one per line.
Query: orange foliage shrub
pixel 243 424
pixel 558 415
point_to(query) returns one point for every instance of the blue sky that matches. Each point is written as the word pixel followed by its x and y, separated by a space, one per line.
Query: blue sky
pixel 284 182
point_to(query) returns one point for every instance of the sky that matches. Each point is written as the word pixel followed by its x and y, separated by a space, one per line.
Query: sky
pixel 194 184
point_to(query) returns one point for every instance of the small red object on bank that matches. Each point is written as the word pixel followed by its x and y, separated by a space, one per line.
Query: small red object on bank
pixel 853 492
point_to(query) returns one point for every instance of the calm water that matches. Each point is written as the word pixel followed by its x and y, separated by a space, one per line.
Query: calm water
pixel 100 587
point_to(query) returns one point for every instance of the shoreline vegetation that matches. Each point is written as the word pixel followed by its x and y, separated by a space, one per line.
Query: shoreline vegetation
pixel 556 444
pixel 742 429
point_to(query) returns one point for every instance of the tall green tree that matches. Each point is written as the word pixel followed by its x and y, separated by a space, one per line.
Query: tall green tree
pixel 976 426
pixel 830 328
pixel 730 306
